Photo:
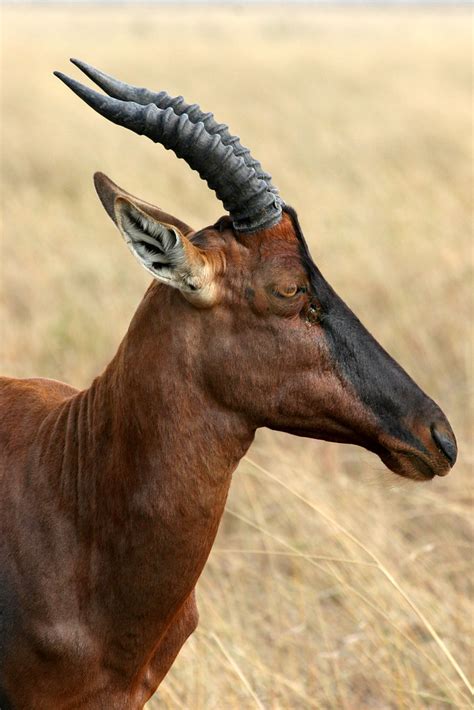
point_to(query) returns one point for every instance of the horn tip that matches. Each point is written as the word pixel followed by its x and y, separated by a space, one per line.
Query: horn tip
pixel 84 92
pixel 79 63
pixel 63 77
pixel 72 84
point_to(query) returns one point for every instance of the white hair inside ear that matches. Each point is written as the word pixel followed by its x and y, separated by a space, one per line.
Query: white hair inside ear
pixel 164 252
pixel 157 246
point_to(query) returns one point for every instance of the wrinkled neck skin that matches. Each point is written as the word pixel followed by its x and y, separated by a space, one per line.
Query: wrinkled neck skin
pixel 147 463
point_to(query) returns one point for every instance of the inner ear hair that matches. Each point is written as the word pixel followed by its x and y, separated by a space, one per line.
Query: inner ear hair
pixel 165 252
pixel 153 241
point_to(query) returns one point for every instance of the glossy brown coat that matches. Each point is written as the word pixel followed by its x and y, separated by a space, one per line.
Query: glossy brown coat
pixel 111 497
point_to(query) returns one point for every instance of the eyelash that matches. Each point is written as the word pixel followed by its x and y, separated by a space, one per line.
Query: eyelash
pixel 313 314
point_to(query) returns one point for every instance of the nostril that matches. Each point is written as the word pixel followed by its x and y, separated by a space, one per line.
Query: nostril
pixel 446 443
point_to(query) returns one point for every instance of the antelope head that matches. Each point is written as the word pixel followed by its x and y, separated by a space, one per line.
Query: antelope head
pixel 264 332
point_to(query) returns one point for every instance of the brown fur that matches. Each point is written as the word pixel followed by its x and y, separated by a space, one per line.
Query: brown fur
pixel 111 497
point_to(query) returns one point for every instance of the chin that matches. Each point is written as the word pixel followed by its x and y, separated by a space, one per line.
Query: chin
pixel 412 466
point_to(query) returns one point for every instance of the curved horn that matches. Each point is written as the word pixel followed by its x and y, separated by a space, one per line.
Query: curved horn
pixel 251 205
pixel 119 90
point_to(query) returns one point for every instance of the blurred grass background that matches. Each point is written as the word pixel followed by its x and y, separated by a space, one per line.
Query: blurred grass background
pixel 364 118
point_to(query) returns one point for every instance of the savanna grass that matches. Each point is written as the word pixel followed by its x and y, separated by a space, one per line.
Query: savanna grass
pixel 364 119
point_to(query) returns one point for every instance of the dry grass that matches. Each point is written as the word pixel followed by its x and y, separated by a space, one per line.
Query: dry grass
pixel 364 119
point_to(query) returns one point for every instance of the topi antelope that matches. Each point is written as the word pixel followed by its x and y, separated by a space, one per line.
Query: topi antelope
pixel 111 496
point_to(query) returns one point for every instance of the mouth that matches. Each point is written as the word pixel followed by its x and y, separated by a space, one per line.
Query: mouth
pixel 412 465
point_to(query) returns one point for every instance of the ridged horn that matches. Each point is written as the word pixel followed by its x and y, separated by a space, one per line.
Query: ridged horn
pixel 251 205
pixel 126 92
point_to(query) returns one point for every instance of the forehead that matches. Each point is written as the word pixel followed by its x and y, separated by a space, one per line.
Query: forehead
pixel 277 247
pixel 270 256
pixel 280 241
pixel 276 253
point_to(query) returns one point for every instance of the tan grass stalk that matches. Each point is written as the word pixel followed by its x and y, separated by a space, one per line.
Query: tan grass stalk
pixel 324 558
pixel 429 627
pixel 238 671
pixel 347 586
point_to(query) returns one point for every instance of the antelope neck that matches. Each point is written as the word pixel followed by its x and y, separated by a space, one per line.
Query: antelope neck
pixel 146 439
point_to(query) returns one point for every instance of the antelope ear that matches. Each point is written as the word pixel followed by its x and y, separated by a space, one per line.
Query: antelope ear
pixel 108 192
pixel 165 252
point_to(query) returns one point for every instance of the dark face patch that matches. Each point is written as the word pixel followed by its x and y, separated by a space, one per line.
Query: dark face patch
pixel 4 702
pixel 381 384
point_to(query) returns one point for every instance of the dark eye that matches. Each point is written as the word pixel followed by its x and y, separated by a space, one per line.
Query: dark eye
pixel 288 291
pixel 313 314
